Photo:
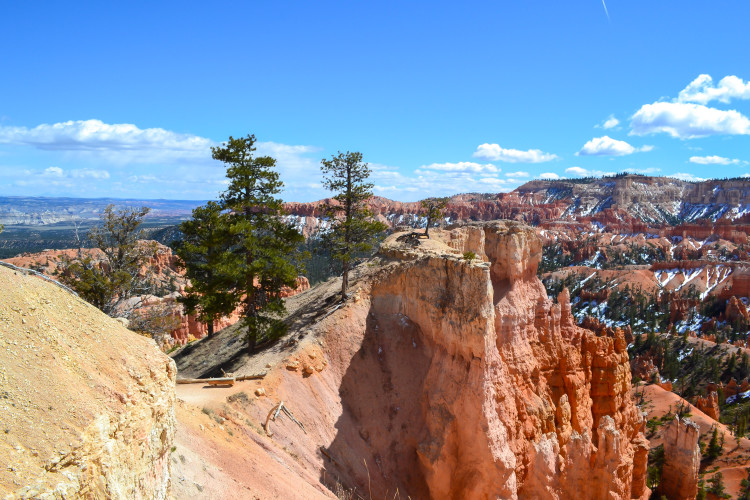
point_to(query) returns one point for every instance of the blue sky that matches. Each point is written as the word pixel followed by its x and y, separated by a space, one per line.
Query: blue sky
pixel 101 99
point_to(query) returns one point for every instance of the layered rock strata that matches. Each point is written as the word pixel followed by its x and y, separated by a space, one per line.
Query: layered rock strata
pixel 511 398
pixel 679 478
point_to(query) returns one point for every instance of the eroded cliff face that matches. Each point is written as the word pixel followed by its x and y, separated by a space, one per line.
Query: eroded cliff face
pixel 86 406
pixel 682 458
pixel 447 378
pixel 488 386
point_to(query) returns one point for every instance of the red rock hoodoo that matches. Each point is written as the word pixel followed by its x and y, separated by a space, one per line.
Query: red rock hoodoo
pixel 515 400
pixel 709 405
pixel 682 457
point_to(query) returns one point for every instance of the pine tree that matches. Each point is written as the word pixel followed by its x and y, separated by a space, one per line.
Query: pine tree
pixel 744 365
pixel 714 448
pixel 203 254
pixel 262 244
pixel 113 278
pixel 353 228
pixel 716 486
pixel 433 209
pixel 745 488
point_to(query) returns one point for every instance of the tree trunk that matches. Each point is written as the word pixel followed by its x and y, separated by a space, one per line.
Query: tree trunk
pixel 347 234
pixel 251 341
pixel 249 311
pixel 249 290
pixel 210 327
pixel 345 279
pixel 427 229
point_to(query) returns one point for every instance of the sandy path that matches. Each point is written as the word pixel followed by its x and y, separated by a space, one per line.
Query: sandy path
pixel 230 459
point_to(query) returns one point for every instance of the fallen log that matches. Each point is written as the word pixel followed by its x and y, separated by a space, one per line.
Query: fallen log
pixel 221 381
pixel 214 381
pixel 209 381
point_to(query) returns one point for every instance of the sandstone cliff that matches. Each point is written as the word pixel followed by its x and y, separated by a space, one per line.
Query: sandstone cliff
pixel 86 406
pixel 445 378
pixel 549 400
pixel 682 457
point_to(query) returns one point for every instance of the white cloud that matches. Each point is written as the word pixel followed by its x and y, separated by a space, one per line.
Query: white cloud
pixel 89 173
pixel 493 152
pixel 606 146
pixel 53 172
pixel 609 123
pixel 517 175
pixel 715 160
pixel 463 166
pixel 687 177
pixel 447 180
pixel 120 142
pixel 582 172
pixel 494 181
pixel 644 171
pixel 551 176
pixel 702 90
pixel 687 120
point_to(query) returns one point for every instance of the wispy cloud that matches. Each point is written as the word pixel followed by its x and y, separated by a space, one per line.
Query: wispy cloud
pixel 716 160
pixel 463 166
pixel 610 122
pixel 583 172
pixel 687 177
pixel 493 152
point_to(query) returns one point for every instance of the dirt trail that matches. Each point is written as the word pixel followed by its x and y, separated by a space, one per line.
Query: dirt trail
pixel 228 459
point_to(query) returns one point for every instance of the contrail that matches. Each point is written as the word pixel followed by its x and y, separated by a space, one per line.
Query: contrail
pixel 606 11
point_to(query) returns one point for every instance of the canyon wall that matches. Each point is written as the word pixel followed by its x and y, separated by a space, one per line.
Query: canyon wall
pixel 488 389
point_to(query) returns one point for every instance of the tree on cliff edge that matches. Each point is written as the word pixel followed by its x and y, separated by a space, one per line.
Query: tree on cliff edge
pixel 261 245
pixel 433 209
pixel 203 254
pixel 353 229
pixel 107 281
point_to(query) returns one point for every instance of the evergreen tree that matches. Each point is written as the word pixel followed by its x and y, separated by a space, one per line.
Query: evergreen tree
pixel 716 486
pixel 353 228
pixel 203 254
pixel 745 488
pixel 262 244
pixel 714 448
pixel 433 209
pixel 701 492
